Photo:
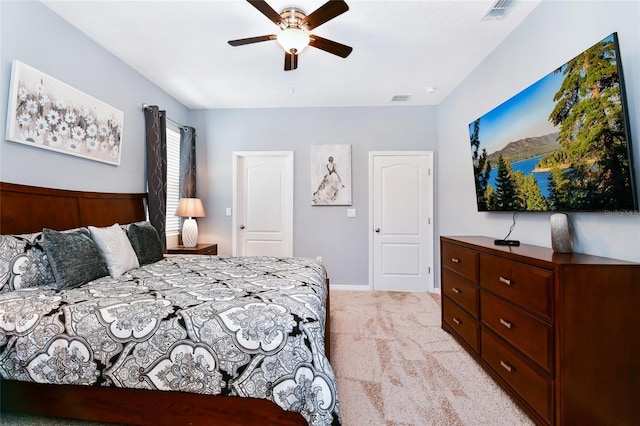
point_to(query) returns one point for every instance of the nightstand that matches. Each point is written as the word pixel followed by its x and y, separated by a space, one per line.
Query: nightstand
pixel 201 248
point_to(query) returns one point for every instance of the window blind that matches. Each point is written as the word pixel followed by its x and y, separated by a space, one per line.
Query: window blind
pixel 173 181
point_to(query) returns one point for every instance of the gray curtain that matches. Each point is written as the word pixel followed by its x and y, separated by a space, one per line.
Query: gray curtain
pixel 187 167
pixel 156 143
pixel 187 162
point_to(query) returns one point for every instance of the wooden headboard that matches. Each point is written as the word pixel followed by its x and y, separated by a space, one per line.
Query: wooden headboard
pixel 25 209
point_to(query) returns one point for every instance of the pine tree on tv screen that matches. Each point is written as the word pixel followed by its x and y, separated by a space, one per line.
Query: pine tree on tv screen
pixel 562 144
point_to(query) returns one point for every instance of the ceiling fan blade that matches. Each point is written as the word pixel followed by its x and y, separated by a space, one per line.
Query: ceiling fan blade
pixel 324 13
pixel 336 48
pixel 290 61
pixel 243 41
pixel 266 10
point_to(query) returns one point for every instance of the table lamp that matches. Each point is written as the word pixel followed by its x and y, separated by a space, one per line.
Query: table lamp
pixel 190 208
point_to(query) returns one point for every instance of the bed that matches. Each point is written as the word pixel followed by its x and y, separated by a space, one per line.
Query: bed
pixel 184 339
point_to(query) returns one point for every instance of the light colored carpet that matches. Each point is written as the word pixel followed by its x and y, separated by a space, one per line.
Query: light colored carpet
pixel 395 366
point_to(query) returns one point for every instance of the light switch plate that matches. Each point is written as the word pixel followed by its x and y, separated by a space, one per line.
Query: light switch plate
pixel 351 212
pixel 228 211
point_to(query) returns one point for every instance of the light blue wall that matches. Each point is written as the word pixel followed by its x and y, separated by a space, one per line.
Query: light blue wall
pixel 318 231
pixel 71 57
pixel 35 35
pixel 552 34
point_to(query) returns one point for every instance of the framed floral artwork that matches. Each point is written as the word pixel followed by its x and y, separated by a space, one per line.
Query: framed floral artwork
pixel 49 114
pixel 331 175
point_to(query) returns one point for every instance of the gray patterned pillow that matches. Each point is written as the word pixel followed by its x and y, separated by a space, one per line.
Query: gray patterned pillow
pixel 23 262
pixel 74 257
pixel 146 242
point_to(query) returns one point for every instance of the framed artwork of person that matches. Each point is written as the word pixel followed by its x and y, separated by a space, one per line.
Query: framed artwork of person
pixel 331 175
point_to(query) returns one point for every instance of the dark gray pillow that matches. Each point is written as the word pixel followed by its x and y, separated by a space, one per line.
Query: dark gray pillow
pixel 145 242
pixel 74 257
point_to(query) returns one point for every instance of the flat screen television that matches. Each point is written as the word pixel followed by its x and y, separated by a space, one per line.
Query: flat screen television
pixel 562 144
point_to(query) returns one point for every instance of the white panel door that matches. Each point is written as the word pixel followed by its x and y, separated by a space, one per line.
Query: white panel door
pixel 263 204
pixel 401 243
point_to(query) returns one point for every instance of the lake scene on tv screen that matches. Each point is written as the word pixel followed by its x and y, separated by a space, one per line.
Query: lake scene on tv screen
pixel 562 144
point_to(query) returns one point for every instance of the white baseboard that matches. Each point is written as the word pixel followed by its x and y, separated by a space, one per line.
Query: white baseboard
pixel 349 287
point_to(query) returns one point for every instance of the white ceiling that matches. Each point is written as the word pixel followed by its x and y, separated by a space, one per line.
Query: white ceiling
pixel 399 48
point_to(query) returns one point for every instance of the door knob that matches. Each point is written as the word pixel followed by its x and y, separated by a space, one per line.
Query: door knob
pixel 241 226
pixel 377 229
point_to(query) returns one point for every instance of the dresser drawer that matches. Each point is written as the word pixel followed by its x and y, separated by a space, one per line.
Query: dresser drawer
pixel 460 291
pixel 533 386
pixel 461 260
pixel 528 286
pixel 526 332
pixel 461 323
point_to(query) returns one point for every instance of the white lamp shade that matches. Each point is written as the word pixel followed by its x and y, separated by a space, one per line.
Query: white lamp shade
pixel 190 207
pixel 293 40
pixel 190 233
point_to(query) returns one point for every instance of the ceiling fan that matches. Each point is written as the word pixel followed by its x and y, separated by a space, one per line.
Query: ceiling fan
pixel 295 28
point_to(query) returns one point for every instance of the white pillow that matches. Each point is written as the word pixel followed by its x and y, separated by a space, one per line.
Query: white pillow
pixel 115 248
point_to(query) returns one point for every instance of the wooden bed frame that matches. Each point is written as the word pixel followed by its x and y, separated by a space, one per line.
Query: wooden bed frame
pixel 25 209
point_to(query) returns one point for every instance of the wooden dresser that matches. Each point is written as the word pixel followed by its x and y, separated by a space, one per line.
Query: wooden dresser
pixel 557 331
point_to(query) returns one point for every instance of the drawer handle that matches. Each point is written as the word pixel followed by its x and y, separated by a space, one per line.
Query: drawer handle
pixel 455 260
pixel 505 281
pixel 456 290
pixel 457 321
pixel 506 323
pixel 506 366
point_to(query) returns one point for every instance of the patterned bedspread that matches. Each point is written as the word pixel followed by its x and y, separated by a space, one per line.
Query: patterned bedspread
pixel 238 326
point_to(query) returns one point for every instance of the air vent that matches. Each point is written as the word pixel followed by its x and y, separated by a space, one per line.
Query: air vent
pixel 499 10
pixel 400 98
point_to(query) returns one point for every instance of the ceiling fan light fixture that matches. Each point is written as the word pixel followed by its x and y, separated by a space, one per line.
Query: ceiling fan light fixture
pixel 293 40
pixel 295 30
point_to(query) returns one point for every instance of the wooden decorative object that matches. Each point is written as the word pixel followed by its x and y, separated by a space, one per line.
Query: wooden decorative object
pixel 561 236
